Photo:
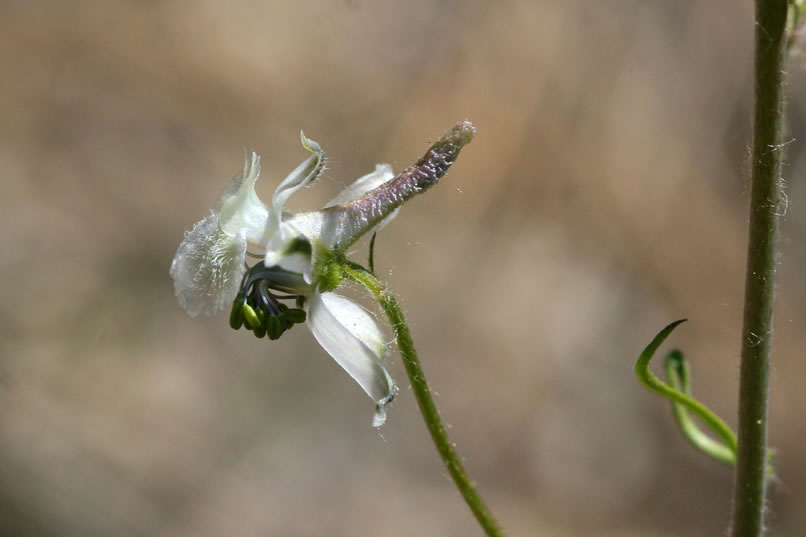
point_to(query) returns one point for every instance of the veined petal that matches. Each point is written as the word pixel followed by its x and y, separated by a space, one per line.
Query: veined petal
pixel 208 267
pixel 238 207
pixel 349 334
pixel 302 175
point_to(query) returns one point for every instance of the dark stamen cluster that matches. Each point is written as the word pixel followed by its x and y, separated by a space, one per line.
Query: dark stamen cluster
pixel 261 311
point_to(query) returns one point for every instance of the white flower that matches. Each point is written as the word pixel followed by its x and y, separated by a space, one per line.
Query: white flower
pixel 211 261
pixel 210 270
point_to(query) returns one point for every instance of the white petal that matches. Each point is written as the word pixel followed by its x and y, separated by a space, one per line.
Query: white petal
pixel 349 334
pixel 362 185
pixel 238 207
pixel 208 267
pixel 383 173
pixel 290 250
pixel 303 175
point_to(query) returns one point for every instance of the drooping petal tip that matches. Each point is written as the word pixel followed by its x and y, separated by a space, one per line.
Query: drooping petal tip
pixel 379 418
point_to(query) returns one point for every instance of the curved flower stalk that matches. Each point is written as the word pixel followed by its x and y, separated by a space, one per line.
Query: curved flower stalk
pixel 679 393
pixel 302 254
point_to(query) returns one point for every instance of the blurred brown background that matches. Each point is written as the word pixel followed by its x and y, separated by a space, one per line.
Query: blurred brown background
pixel 604 196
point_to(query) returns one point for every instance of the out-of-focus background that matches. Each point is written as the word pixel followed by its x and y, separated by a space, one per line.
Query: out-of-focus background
pixel 604 196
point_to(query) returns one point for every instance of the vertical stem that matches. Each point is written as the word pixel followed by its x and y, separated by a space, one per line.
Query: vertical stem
pixel 422 393
pixel 770 62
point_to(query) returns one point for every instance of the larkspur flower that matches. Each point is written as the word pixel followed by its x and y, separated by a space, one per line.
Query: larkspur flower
pixel 298 251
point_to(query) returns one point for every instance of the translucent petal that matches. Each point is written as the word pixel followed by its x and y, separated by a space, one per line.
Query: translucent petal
pixel 362 185
pixel 208 267
pixel 302 175
pixel 238 207
pixel 349 334
pixel 342 234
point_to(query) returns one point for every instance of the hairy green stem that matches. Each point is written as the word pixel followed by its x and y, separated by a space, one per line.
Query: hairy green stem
pixel 770 63
pixel 422 393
